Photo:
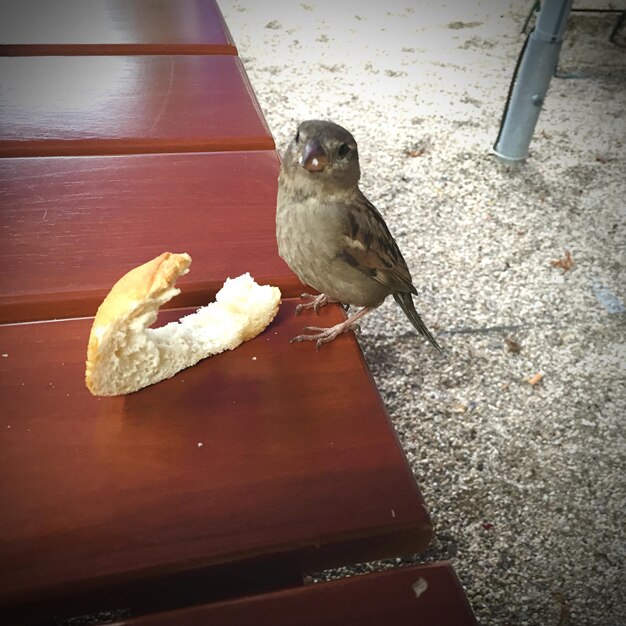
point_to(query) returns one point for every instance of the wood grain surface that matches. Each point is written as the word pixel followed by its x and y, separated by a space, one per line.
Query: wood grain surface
pixel 76 105
pixel 63 27
pixel 71 27
pixel 70 227
pixel 423 595
pixel 272 449
pixel 237 475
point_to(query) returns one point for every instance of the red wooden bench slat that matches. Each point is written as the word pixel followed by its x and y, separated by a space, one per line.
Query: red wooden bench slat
pixel 268 450
pixel 77 105
pixel 423 595
pixel 69 27
pixel 70 227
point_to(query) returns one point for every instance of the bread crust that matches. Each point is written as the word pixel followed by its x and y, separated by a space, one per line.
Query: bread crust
pixel 146 282
pixel 128 299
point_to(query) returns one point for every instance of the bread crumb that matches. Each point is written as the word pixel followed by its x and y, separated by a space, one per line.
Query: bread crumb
pixel 537 378
pixel 5 355
pixel 254 358
pixel 200 444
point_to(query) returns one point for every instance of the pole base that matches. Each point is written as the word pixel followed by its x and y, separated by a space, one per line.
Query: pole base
pixel 507 159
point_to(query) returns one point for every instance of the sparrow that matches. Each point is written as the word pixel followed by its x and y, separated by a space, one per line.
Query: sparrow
pixel 332 237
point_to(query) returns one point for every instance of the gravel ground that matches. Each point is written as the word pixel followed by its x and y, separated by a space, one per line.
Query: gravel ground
pixel 518 439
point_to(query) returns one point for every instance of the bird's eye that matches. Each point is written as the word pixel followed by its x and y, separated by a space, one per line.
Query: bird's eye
pixel 343 151
pixel 298 136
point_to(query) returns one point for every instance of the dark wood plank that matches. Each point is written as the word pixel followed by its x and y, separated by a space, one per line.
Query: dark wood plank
pixel 70 227
pixel 271 450
pixel 127 104
pixel 424 595
pixel 69 27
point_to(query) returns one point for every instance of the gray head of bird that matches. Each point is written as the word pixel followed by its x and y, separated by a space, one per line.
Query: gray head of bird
pixel 323 154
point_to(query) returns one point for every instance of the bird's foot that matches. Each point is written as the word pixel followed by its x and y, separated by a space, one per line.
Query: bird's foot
pixel 326 335
pixel 322 335
pixel 315 304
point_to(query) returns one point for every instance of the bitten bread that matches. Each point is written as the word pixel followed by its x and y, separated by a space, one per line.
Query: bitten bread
pixel 124 355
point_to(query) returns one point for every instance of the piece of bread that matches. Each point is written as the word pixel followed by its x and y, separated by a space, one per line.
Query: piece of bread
pixel 124 355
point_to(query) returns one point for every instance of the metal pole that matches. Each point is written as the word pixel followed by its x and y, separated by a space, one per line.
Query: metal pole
pixel 536 66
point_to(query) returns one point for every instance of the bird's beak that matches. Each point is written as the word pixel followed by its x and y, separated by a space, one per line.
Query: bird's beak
pixel 313 158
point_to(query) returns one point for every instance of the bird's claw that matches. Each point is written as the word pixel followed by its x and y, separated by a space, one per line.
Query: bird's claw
pixel 321 335
pixel 315 304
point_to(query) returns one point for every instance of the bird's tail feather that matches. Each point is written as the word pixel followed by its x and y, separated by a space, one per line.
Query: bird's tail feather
pixel 406 303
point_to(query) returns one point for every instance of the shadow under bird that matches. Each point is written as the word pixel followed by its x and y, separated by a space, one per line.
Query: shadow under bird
pixel 332 237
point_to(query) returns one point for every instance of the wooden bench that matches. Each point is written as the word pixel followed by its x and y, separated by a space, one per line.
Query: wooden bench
pixel 70 227
pixel 252 453
pixel 425 595
pixel 116 27
pixel 234 477
pixel 60 106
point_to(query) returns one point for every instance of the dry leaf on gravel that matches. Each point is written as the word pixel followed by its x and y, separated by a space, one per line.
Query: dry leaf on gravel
pixel 512 345
pixel 535 379
pixel 566 263
pixel 416 153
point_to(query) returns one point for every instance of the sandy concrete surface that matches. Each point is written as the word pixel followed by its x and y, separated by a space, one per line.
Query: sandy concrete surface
pixel 517 439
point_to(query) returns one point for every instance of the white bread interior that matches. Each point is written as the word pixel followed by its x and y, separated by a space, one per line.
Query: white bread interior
pixel 124 355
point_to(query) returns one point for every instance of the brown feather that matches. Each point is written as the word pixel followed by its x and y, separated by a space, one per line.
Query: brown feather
pixel 372 246
pixel 406 303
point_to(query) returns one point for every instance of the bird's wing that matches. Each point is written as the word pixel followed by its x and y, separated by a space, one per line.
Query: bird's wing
pixel 370 247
